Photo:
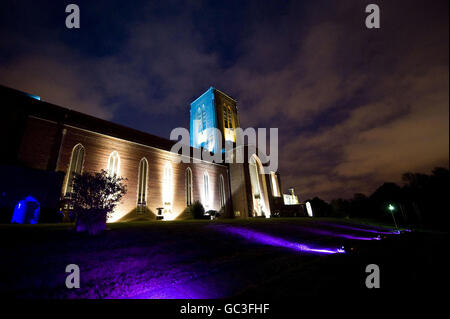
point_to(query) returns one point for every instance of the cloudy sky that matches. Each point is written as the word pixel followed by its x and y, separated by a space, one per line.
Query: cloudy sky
pixel 354 107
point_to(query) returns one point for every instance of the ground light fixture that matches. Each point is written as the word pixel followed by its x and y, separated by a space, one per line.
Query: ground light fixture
pixel 391 209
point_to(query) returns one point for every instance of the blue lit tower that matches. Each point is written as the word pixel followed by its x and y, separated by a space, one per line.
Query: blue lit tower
pixel 213 109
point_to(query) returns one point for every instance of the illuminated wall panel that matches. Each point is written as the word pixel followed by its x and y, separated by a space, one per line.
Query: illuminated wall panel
pixel 309 209
pixel 274 184
pixel 202 120
pixel 98 148
pixel 213 110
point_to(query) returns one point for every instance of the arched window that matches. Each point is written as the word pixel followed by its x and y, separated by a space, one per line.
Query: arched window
pixel 254 178
pixel 222 192
pixel 75 167
pixel 228 124
pixel 227 116
pixel 142 183
pixel 114 163
pixel 168 186
pixel 259 188
pixel 201 118
pixel 189 193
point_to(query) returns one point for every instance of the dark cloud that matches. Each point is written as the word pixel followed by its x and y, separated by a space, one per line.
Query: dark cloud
pixel 158 69
pixel 354 107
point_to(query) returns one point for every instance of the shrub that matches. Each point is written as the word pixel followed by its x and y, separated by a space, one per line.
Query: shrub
pixel 197 210
pixel 213 214
pixel 95 195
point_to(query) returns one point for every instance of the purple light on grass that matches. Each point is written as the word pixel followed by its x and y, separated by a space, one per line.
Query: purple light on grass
pixel 177 291
pixel 175 282
pixel 333 234
pixel 391 232
pixel 276 241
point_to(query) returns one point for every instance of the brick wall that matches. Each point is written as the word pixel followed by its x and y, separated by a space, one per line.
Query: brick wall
pixel 40 136
pixel 36 148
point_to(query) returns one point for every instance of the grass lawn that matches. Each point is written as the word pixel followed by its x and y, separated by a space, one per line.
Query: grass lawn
pixel 215 259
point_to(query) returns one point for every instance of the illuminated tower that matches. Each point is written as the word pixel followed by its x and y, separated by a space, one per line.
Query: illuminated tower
pixel 213 110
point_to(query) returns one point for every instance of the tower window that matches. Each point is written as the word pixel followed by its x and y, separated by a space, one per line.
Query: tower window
pixel 227 116
pixel 199 119
pixel 203 117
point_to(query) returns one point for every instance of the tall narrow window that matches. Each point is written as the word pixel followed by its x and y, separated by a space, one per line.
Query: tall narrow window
pixel 142 183
pixel 274 182
pixel 222 192
pixel 75 167
pixel 188 187
pixel 114 163
pixel 254 178
pixel 227 117
pixel 206 190
pixel 228 124
pixel 199 119
pixel 203 117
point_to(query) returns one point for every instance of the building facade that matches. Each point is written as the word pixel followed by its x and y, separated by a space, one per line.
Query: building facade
pixel 48 144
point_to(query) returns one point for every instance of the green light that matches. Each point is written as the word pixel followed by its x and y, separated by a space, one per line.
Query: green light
pixel 391 207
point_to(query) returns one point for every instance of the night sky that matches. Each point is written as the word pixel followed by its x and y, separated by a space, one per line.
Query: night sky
pixel 354 107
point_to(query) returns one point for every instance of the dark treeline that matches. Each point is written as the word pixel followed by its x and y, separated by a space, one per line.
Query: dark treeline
pixel 422 201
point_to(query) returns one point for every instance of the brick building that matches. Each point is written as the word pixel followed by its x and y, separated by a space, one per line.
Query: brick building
pixel 46 144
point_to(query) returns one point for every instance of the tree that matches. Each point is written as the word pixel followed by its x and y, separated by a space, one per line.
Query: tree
pixel 421 201
pixel 388 193
pixel 361 206
pixel 320 207
pixel 426 197
pixel 197 210
pixel 340 207
pixel 95 195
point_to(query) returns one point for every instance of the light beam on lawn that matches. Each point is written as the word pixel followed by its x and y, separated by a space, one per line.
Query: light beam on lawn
pixel 276 241
pixel 390 232
pixel 333 234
